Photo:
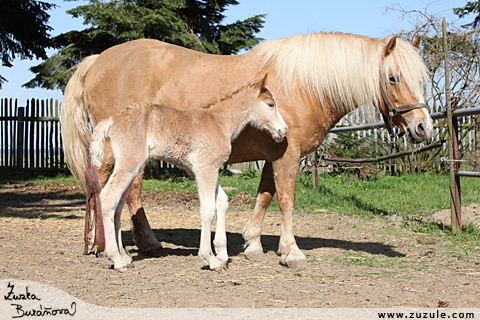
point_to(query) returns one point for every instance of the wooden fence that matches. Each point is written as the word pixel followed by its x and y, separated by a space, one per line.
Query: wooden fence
pixel 376 142
pixel 30 140
pixel 30 135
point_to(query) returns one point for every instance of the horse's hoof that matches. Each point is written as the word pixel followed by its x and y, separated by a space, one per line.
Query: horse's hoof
pixel 156 252
pixel 296 264
pixel 101 254
pixel 255 255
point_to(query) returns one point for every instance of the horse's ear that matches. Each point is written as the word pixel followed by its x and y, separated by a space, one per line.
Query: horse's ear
pixel 416 43
pixel 391 46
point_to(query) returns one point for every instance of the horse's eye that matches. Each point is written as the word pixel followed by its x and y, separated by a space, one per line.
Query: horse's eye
pixel 271 104
pixel 394 79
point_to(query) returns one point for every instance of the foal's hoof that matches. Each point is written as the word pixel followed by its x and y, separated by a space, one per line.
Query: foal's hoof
pixel 222 268
pixel 128 268
pixel 156 252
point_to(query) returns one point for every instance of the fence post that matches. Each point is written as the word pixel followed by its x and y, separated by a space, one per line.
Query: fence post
pixel 454 181
pixel 20 130
pixel 477 143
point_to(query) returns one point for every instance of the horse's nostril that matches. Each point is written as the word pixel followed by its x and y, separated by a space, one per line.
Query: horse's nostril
pixel 421 129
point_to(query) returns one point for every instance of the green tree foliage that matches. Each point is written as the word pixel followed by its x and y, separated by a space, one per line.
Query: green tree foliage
pixel 23 30
pixel 194 24
pixel 470 7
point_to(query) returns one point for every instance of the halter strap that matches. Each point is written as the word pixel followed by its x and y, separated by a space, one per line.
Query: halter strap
pixel 394 110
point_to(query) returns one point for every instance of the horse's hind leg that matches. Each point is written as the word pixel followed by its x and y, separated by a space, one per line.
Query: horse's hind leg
pixel 143 234
pixel 93 227
pixel 253 229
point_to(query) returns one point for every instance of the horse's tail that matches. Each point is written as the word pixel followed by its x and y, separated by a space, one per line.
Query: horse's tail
pixel 74 121
pixel 100 133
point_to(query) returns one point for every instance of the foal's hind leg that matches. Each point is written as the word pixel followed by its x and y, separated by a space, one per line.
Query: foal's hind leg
pixel 112 199
pixel 144 237
pixel 118 230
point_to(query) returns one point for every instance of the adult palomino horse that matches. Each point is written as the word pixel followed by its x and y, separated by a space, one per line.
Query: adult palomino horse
pixel 317 79
pixel 198 140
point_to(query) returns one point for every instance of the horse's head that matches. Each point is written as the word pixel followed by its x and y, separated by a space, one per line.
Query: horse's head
pixel 401 101
pixel 264 114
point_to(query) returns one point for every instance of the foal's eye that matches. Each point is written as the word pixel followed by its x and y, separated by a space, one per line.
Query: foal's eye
pixel 271 104
pixel 394 79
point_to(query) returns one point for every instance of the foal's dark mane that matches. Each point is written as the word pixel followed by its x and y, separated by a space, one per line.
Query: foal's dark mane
pixel 228 95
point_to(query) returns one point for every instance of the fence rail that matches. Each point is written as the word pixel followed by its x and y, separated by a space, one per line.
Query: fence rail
pixel 30 137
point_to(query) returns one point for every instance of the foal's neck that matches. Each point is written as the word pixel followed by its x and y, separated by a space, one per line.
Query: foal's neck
pixel 232 114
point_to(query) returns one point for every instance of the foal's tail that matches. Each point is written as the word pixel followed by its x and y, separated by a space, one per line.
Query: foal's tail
pixel 100 133
pixel 74 120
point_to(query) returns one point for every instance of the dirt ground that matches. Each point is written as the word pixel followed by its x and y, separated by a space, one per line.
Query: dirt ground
pixel 355 261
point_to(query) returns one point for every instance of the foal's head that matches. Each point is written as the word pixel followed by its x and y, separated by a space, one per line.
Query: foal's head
pixel 264 114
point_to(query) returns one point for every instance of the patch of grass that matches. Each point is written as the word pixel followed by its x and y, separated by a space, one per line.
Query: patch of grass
pixel 248 184
pixel 355 259
pixel 407 195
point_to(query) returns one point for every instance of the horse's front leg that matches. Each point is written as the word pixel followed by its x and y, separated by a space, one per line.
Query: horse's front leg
pixel 253 229
pixel 143 235
pixel 207 182
pixel 285 178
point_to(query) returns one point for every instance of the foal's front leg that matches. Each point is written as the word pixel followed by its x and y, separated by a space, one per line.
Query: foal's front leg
pixel 220 241
pixel 207 182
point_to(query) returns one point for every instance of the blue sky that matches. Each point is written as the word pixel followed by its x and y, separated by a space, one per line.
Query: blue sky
pixel 284 18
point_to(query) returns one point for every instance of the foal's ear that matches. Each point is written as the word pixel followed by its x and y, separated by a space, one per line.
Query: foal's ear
pixel 391 46
pixel 260 83
pixel 416 43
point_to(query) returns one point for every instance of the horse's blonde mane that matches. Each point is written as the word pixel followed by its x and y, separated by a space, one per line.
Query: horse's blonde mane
pixel 342 68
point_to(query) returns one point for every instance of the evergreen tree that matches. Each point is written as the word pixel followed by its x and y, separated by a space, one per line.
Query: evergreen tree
pixel 470 7
pixel 23 30
pixel 194 24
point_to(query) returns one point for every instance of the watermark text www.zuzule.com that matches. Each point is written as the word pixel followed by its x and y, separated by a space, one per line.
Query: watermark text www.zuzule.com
pixel 18 299
pixel 435 314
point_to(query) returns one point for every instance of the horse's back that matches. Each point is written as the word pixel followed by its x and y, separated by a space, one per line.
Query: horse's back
pixel 154 71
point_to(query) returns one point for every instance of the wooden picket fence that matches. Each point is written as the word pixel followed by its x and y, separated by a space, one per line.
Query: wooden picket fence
pixel 30 135
pixel 30 140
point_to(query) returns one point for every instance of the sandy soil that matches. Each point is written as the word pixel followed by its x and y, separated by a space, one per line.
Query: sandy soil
pixel 355 261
